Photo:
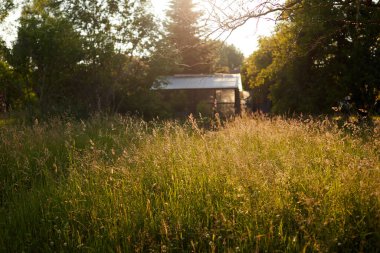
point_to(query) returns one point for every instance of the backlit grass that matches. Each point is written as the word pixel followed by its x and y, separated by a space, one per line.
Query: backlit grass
pixel 119 184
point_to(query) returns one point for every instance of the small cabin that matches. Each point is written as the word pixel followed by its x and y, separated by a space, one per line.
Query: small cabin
pixel 204 94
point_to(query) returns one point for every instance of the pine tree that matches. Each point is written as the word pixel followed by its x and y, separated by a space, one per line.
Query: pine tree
pixel 184 35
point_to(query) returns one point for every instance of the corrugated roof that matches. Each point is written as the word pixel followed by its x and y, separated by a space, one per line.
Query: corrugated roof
pixel 188 82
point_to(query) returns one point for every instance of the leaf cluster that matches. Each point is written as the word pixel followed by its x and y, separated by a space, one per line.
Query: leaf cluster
pixel 320 53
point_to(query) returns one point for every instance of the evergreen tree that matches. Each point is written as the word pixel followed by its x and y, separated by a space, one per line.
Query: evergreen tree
pixel 194 54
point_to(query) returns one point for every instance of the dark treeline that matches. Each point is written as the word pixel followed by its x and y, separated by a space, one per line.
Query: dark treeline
pixel 322 55
pixel 79 57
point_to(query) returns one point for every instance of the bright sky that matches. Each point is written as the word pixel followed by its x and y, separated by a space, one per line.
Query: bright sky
pixel 245 38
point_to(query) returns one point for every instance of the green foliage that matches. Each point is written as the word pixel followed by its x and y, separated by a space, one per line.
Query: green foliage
pixel 121 184
pixel 46 54
pixel 320 53
pixel 80 57
pixel 229 59
pixel 5 7
pixel 10 93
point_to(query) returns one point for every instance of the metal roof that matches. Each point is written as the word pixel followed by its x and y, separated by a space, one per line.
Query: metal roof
pixel 190 82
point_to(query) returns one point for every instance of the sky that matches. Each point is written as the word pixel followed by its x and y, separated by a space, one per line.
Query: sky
pixel 244 38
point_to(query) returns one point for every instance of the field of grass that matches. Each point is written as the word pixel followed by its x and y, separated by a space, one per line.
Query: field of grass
pixel 119 184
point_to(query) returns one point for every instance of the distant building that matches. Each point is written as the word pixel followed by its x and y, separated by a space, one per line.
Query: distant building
pixel 205 94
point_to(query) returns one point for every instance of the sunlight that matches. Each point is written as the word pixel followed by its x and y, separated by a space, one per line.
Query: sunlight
pixel 245 37
pixel 139 125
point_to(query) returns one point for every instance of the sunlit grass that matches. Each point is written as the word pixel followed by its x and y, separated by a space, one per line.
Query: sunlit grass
pixel 122 185
pixel 6 121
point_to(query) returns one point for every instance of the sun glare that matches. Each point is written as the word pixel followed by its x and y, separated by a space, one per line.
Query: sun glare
pixel 245 37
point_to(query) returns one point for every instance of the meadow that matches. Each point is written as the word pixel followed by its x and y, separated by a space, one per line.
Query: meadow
pixel 254 184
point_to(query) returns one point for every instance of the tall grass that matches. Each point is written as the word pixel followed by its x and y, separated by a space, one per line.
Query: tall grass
pixel 119 184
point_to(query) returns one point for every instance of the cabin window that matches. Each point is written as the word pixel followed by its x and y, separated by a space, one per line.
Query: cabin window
pixel 225 96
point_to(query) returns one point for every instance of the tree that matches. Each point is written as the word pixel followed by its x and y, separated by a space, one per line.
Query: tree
pixel 45 57
pixel 46 54
pixel 114 31
pixel 228 15
pixel 85 56
pixel 195 55
pixel 5 7
pixel 228 59
pixel 7 78
pixel 321 52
